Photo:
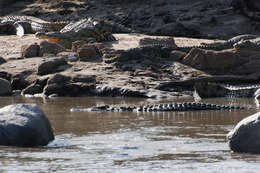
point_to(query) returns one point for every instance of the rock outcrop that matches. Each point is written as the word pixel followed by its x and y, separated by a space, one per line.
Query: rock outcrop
pixel 24 125
pixel 50 48
pixel 215 62
pixel 28 51
pixel 51 66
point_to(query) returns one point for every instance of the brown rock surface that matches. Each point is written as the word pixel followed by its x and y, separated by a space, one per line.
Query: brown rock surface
pixel 215 62
pixel 141 74
pixel 50 48
pixel 77 44
pixel 87 53
pixel 28 51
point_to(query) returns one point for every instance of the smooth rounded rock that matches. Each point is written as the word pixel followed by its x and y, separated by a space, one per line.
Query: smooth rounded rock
pixel 5 87
pixel 24 125
pixel 245 137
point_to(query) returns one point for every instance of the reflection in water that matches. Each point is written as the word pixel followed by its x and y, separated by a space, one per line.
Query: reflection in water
pixel 131 142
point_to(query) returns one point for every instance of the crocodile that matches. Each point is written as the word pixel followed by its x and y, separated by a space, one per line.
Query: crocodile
pixel 229 44
pixel 140 53
pixel 163 107
pixel 209 90
pixel 168 41
pixel 248 45
pixel 146 52
pixel 89 29
pixel 30 24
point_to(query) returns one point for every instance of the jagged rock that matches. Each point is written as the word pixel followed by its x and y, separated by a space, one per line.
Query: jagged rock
pixel 84 78
pixel 2 60
pixel 28 51
pixel 42 81
pixel 58 78
pixel 62 89
pixel 50 66
pixel 50 48
pixel 176 55
pixel 19 83
pixel 5 87
pixel 61 85
pixel 5 75
pixel 77 44
pixel 24 125
pixel 32 89
pixel 245 137
pixel 86 89
pixel 87 53
pixel 216 62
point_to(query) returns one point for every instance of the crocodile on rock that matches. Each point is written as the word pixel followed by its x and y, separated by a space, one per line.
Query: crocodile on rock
pixel 147 52
pixel 229 44
pixel 248 45
pixel 90 30
pixel 164 107
pixel 30 24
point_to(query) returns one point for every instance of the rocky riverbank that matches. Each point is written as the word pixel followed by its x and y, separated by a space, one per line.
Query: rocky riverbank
pixel 36 67
pixel 219 19
pixel 118 68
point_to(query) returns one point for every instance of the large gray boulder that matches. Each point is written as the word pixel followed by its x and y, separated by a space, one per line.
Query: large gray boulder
pixel 5 87
pixel 245 137
pixel 24 125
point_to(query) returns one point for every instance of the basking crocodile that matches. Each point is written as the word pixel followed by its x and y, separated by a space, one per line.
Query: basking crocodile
pixel 229 44
pixel 164 107
pixel 248 45
pixel 209 90
pixel 30 24
pixel 90 30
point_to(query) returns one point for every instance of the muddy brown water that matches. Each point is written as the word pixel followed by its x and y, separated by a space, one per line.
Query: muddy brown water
pixel 131 142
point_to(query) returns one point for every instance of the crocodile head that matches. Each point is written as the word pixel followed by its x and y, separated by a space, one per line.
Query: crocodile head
pixel 246 45
pixel 55 37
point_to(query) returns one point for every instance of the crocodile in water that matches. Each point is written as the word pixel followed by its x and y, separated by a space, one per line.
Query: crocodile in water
pixel 164 107
pixel 30 24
